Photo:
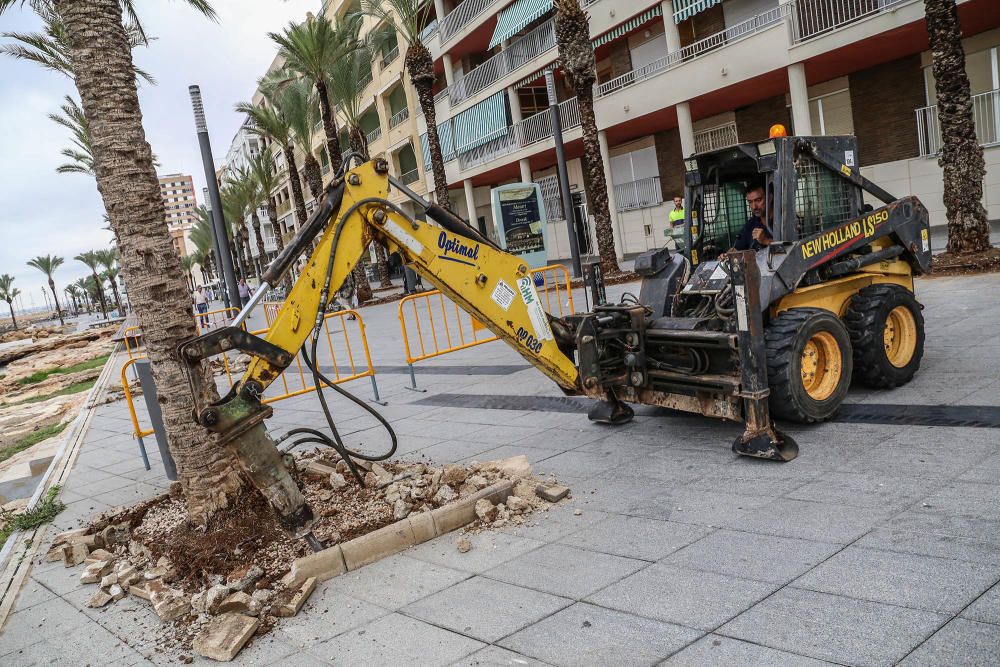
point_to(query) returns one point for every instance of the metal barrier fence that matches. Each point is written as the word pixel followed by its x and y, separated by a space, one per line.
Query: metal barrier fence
pixel 211 319
pixel 342 356
pixel 441 327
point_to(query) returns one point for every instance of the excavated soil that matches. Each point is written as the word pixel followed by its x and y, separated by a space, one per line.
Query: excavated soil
pixel 949 264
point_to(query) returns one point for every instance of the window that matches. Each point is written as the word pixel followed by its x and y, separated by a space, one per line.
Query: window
pixel 634 166
pixel 533 100
pixel 831 114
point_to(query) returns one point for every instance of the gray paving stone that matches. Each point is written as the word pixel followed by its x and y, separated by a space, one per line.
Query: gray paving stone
pixel 553 522
pixel 27 626
pixel 768 558
pixel 534 454
pixel 494 656
pixel 636 537
pixel 305 659
pixel 450 451
pixel 328 612
pixel 945 545
pixel 720 651
pixel 907 580
pixel 961 642
pixel 396 640
pixel 986 608
pixel 616 491
pixel 564 570
pixel 807 520
pixel 707 508
pixel 488 550
pixel 587 635
pixel 917 459
pixel 583 465
pixel 751 480
pixel 563 438
pixel 396 581
pixel 32 592
pixel 835 628
pixel 499 608
pixel 701 600
pixel 865 490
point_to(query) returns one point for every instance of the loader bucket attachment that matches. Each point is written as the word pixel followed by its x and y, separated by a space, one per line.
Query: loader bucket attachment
pixel 770 444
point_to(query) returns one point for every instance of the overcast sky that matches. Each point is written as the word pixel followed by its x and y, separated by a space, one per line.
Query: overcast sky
pixel 43 212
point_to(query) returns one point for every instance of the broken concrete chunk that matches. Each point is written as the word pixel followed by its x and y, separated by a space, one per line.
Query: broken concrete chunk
pixel 291 607
pixel 68 535
pixel 515 467
pixel 74 553
pixel 109 580
pixel 95 571
pixel 99 599
pixel 337 481
pixel 401 509
pixel 224 636
pixel 486 510
pixel 139 590
pixel 215 596
pixel 249 578
pixel 453 474
pixel 517 504
pixel 552 492
pixel 238 602
pixel 463 545
pixel 116 592
pixel 444 495
pixel 98 555
pixel 319 470
pixel 168 603
pixel 383 475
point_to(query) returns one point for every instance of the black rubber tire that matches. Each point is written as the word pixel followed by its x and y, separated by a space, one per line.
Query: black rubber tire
pixel 865 318
pixel 786 337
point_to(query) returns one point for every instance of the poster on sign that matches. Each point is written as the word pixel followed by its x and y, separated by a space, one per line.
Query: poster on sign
pixel 519 210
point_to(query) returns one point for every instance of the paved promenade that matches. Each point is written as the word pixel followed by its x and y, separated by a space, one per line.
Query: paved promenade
pixel 879 545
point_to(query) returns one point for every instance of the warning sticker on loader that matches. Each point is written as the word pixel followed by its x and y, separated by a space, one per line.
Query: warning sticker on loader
pixel 503 295
pixel 536 314
pixel 925 240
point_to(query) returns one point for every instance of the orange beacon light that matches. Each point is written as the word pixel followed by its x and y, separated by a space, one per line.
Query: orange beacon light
pixel 777 130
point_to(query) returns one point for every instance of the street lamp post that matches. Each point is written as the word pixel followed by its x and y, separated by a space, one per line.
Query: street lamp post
pixel 217 215
pixel 216 248
pixel 567 198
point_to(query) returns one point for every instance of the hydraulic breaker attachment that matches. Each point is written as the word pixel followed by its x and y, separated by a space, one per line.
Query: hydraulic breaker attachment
pixel 760 438
pixel 611 411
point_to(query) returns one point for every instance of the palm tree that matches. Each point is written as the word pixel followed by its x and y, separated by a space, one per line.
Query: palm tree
pixel 73 293
pixel 81 286
pixel 309 49
pixel 961 155
pixel 576 54
pixel 211 476
pixel 8 293
pixel 82 156
pixel 298 104
pixel 48 264
pixel 92 261
pixel 201 237
pixel 253 198
pixel 187 266
pixel 234 206
pixel 109 260
pixel 262 168
pixel 404 20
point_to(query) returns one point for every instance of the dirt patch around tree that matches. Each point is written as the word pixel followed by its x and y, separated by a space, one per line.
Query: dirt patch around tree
pixel 952 264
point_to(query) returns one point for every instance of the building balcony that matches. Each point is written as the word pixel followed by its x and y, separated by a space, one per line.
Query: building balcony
pixel 820 26
pixel 715 138
pixel 461 21
pixel 812 18
pixel 284 207
pixel 389 57
pixel 411 176
pixel 985 114
pixel 374 135
pixel 643 193
pixel 398 117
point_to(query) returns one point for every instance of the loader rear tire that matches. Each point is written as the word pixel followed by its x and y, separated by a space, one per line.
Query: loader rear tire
pixel 809 364
pixel 887 333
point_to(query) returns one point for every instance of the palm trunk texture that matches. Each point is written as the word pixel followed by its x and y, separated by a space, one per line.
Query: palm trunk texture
pixel 576 53
pixel 258 236
pixel 105 79
pixel 314 175
pixel 298 199
pixel 272 215
pixel 961 155
pixel 55 297
pixel 100 294
pixel 329 127
pixel 420 65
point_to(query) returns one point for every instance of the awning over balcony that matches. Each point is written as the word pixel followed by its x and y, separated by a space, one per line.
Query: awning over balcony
pixel 629 25
pixel 515 17
pixel 687 8
pixel 473 127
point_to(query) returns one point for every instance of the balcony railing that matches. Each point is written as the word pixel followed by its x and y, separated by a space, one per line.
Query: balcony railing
pixel 816 17
pixel 429 31
pixel 642 193
pixel 715 138
pixel 399 117
pixel 985 114
pixel 460 17
pixel 520 51
pixel 735 33
pixel 515 137
pixel 410 176
pixel 366 79
pixel 374 135
pixel 387 58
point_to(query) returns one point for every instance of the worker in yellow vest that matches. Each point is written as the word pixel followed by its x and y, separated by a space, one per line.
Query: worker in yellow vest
pixel 675 226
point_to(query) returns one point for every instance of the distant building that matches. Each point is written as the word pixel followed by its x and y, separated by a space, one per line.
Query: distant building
pixel 177 191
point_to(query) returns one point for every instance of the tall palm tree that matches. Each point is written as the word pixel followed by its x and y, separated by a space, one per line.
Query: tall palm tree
pixel 48 264
pixel 253 199
pixel 108 258
pixel 201 237
pixel 81 286
pixel 92 261
pixel 961 155
pixel 404 20
pixel 211 476
pixel 73 293
pixel 187 266
pixel 262 168
pixel 82 155
pixel 308 49
pixel 576 54
pixel 8 293
pixel 234 207
pixel 300 108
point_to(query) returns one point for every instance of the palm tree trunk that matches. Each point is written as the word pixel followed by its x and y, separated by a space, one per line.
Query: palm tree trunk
pixel 259 238
pixel 314 175
pixel 100 293
pixel 55 297
pixel 420 65
pixel 298 199
pixel 329 127
pixel 10 304
pixel 961 155
pixel 595 184
pixel 118 299
pixel 358 141
pixel 384 280
pixel 272 215
pixel 105 79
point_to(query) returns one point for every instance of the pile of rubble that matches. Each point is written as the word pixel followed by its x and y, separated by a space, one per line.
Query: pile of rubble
pixel 214 588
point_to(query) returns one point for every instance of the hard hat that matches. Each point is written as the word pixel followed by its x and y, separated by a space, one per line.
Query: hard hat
pixel 777 130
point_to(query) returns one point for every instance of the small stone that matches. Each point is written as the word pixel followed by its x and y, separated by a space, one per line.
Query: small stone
pixel 337 481
pixel 224 636
pixel 326 495
pixel 453 474
pixel 248 579
pixel 418 493
pixel 116 592
pixel 291 606
pixel 517 504
pixel 371 481
pixel 238 602
pixel 99 555
pixel 392 493
pixel 318 470
pixel 74 553
pixel 198 602
pixel 262 595
pixel 98 599
pixel 515 467
pixel 95 571
pixel 127 575
pixel 524 488
pixel 478 482
pixel 401 509
pixel 168 603
pixel 552 493
pixel 464 545
pixel 139 590
pixel 109 580
pixel 215 596
pixel 382 474
pixel 486 510
pixel 577 512
pixel 445 494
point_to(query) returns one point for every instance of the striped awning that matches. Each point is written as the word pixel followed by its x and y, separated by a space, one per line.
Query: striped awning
pixel 515 17
pixel 482 123
pixel 687 8
pixel 629 25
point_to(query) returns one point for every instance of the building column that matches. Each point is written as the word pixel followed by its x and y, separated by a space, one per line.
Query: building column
pixel 470 201
pixel 686 128
pixel 672 34
pixel 515 105
pixel 439 10
pixel 799 92
pixel 449 74
pixel 525 167
pixel 602 137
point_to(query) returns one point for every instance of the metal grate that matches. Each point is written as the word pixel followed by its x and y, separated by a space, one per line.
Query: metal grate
pixel 822 198
pixel 722 215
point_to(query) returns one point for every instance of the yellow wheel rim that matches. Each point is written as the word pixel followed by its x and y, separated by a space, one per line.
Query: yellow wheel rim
pixel 822 365
pixel 900 336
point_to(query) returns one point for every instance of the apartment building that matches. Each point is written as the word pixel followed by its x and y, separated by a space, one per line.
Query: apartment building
pixel 179 203
pixel 677 77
